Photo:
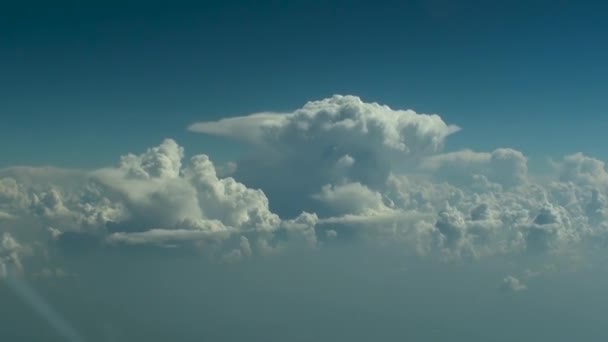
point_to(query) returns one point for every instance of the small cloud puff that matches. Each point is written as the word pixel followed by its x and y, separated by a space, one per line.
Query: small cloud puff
pixel 512 284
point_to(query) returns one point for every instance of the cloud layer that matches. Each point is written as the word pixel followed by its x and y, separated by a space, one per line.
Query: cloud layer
pixel 366 168
pixel 335 170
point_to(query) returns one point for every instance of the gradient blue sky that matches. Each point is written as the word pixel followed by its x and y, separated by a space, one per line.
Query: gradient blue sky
pixel 83 82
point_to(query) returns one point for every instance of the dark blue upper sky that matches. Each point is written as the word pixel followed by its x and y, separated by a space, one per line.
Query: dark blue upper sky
pixel 82 82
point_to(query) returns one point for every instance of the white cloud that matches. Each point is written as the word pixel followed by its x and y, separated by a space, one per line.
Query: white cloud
pixel 252 129
pixel 10 255
pixel 228 200
pixel 163 161
pixel 303 226
pixel 350 198
pixel 6 216
pixel 337 119
pixel 332 234
pixel 506 167
pixel 162 194
pixel 158 236
pixel 513 284
pixel 583 170
pixel 149 199
pixel 326 142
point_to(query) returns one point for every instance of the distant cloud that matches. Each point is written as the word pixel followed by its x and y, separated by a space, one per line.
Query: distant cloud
pixel 10 255
pixel 513 284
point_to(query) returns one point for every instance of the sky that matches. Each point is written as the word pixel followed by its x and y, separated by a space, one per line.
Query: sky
pixel 303 170
pixel 102 76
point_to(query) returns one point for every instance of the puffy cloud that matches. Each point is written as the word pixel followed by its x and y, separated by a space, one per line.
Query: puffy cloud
pixel 334 122
pixel 228 200
pixel 325 142
pixel 302 228
pixel 148 199
pixel 163 161
pixel 350 198
pixel 513 284
pixel 504 166
pixel 583 170
pixel 10 255
pixel 11 194
pixel 331 234
pixel 157 192
pixel 464 221
pixel 369 170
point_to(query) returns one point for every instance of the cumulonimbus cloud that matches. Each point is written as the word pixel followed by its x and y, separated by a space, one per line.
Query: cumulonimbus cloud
pixel 325 141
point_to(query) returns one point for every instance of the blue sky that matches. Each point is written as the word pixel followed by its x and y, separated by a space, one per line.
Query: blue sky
pixel 86 82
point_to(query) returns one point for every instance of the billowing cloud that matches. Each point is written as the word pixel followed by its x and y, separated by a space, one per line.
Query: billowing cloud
pixel 334 122
pixel 327 141
pixel 148 199
pixel 367 168
pixel 583 170
pixel 157 193
pixel 350 198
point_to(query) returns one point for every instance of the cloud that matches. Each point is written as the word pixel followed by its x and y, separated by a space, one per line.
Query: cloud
pixel 5 216
pixel 582 170
pixel 345 116
pixel 163 161
pixel 350 198
pixel 325 142
pixel 513 284
pixel 164 236
pixel 10 255
pixel 252 129
pixel 153 198
pixel 504 166
pixel 379 172
pixel 156 191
